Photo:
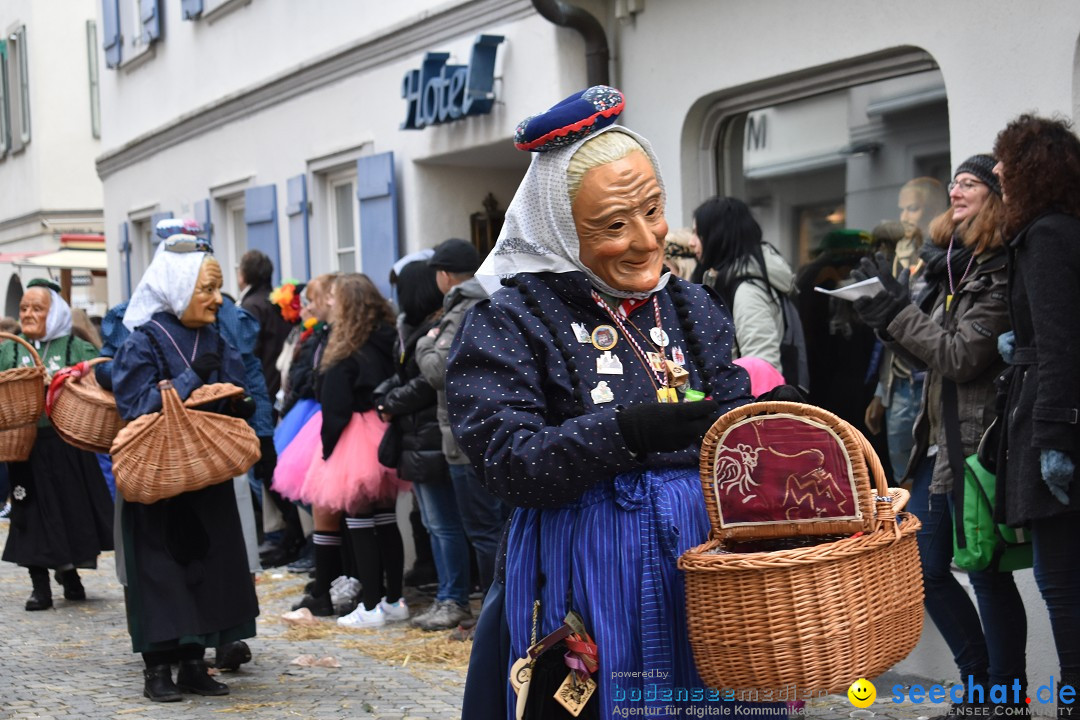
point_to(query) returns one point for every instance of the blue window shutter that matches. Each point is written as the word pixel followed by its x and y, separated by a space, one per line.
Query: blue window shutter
pixel 260 216
pixel 296 207
pixel 125 255
pixel 377 193
pixel 191 9
pixel 154 220
pixel 110 32
pixel 150 12
pixel 202 216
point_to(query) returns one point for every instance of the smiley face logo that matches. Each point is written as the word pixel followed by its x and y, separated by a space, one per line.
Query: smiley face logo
pixel 862 693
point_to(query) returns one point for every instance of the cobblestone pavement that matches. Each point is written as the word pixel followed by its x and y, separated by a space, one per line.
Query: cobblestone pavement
pixel 75 661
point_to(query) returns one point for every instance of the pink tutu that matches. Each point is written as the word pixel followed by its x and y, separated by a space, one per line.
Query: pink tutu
pixel 293 462
pixel 351 479
pixel 763 376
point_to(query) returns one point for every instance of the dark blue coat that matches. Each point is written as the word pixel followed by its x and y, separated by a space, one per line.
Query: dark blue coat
pixel 511 399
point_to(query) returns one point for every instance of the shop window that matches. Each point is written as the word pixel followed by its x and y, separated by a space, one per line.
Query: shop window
pixel 837 160
pixel 92 66
pixel 820 170
pixel 17 91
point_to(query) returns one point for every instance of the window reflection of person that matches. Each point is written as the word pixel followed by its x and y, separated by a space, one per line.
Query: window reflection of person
pixel 896 398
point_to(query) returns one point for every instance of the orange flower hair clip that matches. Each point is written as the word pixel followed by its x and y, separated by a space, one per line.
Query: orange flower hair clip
pixel 287 298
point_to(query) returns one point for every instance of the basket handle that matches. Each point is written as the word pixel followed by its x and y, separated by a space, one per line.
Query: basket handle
pixel 28 346
pixel 211 393
pixel 98 360
pixel 887 501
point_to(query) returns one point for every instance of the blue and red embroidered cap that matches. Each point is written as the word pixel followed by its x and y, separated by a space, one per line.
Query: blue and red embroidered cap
pixel 575 117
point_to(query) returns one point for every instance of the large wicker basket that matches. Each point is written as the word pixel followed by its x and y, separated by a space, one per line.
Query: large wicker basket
pixel 177 450
pixel 22 390
pixel 808 619
pixel 83 413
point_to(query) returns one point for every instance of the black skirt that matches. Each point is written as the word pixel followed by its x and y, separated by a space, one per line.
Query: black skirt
pixel 188 580
pixel 61 511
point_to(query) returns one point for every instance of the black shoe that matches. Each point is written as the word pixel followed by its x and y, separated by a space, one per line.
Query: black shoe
pixel 39 601
pixel 159 685
pixel 319 605
pixel 193 678
pixel 310 587
pixel 231 656
pixel 421 574
pixel 73 587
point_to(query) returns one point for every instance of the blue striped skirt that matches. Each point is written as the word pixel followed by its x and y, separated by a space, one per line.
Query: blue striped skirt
pixel 620 542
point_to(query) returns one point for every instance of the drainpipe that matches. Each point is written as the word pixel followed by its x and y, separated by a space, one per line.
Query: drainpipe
pixel 596 45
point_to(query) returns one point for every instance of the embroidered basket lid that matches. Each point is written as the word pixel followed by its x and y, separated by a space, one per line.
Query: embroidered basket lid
pixel 567 122
pixel 785 474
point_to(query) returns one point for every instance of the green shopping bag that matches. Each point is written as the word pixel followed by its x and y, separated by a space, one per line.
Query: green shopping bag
pixel 979 543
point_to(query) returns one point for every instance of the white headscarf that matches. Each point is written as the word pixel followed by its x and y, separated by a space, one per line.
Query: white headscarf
pixel 539 235
pixel 58 321
pixel 166 285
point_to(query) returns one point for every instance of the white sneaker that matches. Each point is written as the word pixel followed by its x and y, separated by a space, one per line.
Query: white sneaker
pixel 395 611
pixel 361 618
pixel 344 590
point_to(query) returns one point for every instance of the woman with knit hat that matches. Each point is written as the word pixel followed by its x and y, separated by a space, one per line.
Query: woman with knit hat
pixel 951 331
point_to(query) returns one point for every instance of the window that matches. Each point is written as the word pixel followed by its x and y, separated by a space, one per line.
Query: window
pixel 5 110
pixel 235 238
pixel 343 222
pixel 17 91
pixel 92 65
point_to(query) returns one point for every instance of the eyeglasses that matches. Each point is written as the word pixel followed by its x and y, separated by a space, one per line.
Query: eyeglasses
pixel 964 185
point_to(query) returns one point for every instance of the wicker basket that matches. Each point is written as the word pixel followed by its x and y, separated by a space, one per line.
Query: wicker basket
pixel 22 390
pixel 16 443
pixel 177 450
pixel 84 414
pixel 808 619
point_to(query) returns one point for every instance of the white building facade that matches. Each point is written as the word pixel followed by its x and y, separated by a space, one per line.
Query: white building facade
pixel 49 129
pixel 280 123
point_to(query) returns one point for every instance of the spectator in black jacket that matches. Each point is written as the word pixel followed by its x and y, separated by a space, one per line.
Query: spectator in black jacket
pixel 411 403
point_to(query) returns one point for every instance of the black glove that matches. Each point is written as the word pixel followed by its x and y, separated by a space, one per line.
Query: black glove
pixel 264 468
pixel 103 376
pixel 878 311
pixel 205 364
pixel 666 427
pixel 242 407
pixel 783 393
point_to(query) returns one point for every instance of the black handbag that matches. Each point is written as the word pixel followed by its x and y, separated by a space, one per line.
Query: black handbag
pixel 389 453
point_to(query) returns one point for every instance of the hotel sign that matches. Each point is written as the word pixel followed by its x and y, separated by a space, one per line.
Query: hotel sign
pixel 440 93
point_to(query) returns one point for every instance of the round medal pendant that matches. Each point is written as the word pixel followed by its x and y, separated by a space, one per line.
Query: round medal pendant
pixel 659 337
pixel 604 337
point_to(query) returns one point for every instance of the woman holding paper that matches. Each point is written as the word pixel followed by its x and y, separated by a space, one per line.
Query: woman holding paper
pixel 952 335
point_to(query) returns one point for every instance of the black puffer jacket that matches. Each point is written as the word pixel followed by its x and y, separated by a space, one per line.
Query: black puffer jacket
pixel 413 405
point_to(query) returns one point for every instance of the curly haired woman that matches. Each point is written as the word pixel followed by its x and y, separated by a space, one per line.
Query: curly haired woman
pixel 1039 170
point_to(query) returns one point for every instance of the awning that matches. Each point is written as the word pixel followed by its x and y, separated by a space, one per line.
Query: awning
pixel 69 259
pixel 15 257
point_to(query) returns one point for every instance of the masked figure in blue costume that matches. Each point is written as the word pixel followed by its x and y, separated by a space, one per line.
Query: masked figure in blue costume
pixel 188 581
pixel 582 390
